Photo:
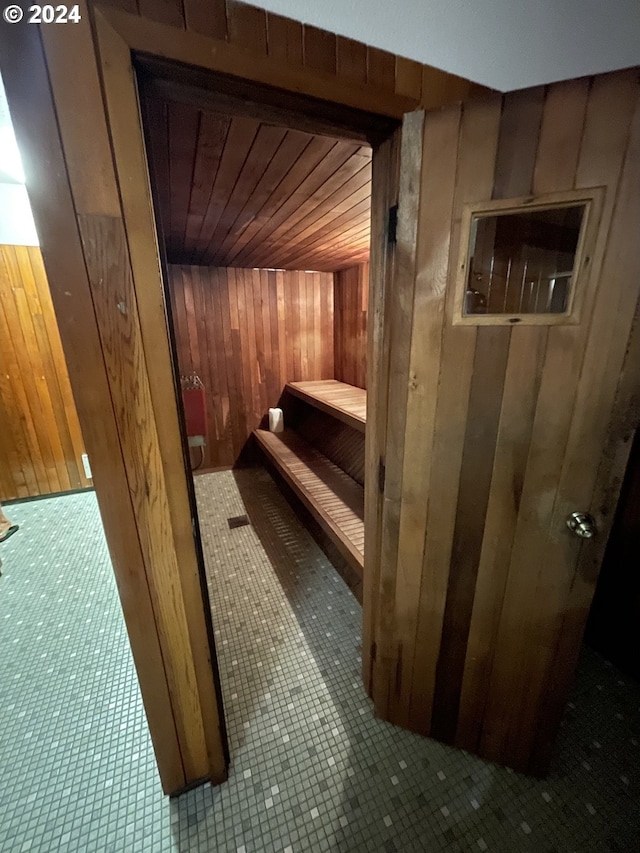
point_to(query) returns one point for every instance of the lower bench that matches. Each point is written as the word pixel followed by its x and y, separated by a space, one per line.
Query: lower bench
pixel 331 496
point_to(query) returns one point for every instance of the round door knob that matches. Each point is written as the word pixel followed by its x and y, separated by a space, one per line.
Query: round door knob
pixel 582 524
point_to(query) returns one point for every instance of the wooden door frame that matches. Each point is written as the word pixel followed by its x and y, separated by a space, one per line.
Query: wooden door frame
pixel 78 124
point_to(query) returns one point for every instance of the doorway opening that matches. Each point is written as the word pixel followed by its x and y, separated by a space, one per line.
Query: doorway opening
pixel 263 210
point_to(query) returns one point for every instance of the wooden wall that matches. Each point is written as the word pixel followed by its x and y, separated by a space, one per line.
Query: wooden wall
pixel 246 333
pixel 496 434
pixel 76 114
pixel 295 45
pixel 40 440
pixel 351 295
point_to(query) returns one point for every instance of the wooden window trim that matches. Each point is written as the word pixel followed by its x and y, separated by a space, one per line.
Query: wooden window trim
pixel 592 198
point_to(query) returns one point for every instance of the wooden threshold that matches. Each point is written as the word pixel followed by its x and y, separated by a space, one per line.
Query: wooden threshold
pixel 338 399
pixel 331 496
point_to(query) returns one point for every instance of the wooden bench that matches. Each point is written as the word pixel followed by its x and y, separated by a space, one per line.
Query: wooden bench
pixel 344 402
pixel 334 499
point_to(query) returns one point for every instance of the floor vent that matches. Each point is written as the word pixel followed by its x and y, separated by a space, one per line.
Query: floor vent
pixel 238 521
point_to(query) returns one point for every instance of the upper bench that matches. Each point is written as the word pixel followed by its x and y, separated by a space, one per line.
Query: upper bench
pixel 344 402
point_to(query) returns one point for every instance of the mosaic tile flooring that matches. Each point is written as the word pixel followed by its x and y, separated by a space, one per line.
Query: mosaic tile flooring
pixel 312 770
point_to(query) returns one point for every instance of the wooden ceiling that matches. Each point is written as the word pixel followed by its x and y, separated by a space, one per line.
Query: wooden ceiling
pixel 238 191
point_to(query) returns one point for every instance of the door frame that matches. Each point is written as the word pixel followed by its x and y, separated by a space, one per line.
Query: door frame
pixel 78 124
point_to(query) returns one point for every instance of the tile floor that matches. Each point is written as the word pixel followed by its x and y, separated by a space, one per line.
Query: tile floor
pixel 311 768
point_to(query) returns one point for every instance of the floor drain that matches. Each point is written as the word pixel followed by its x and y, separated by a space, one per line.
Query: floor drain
pixel 237 521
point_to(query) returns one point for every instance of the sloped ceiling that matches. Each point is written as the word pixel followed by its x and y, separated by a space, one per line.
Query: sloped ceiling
pixel 503 44
pixel 235 191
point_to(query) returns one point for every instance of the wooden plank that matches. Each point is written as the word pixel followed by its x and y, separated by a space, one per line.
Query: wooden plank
pixel 408 78
pixel 275 328
pixel 288 184
pixel 247 26
pixel 208 17
pixel 384 193
pixel 284 39
pixel 53 376
pixel 351 292
pixel 155 38
pixel 438 87
pixel 263 148
pixel 344 402
pixel 104 242
pixel 351 58
pixel 313 186
pixel 381 68
pixel 238 143
pixel 591 428
pixel 27 381
pixel 474 180
pixel 59 363
pixel 264 197
pixel 197 705
pixel 434 213
pixel 400 320
pixel 164 11
pixel 212 135
pixel 36 126
pixel 319 48
pixel 483 415
pixel 28 457
pixel 528 593
pixel 560 134
pixel 331 496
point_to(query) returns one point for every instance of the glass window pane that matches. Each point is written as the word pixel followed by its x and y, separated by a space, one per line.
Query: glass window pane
pixel 522 262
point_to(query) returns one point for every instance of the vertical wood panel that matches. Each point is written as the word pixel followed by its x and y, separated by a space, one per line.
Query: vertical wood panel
pixel 557 151
pixel 163 11
pixel 41 440
pixel 351 294
pixel 208 17
pixel 120 247
pixel 384 194
pixel 381 68
pixel 408 77
pixel 247 26
pixel 436 192
pixel 351 60
pixel 515 161
pixel 510 437
pixel 284 39
pixel 247 333
pixel 319 49
pixel 400 319
pixel 474 179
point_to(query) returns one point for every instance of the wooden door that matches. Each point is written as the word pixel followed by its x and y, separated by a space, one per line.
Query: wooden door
pixel 498 427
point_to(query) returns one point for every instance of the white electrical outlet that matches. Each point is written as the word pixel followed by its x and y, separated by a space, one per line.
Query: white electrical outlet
pixel 86 466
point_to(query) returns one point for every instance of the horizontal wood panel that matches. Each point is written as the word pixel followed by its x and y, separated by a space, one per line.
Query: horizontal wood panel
pixel 350 305
pixel 247 333
pixel 40 440
pixel 237 191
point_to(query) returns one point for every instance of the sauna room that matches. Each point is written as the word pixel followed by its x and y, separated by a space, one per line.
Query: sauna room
pixel 266 231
